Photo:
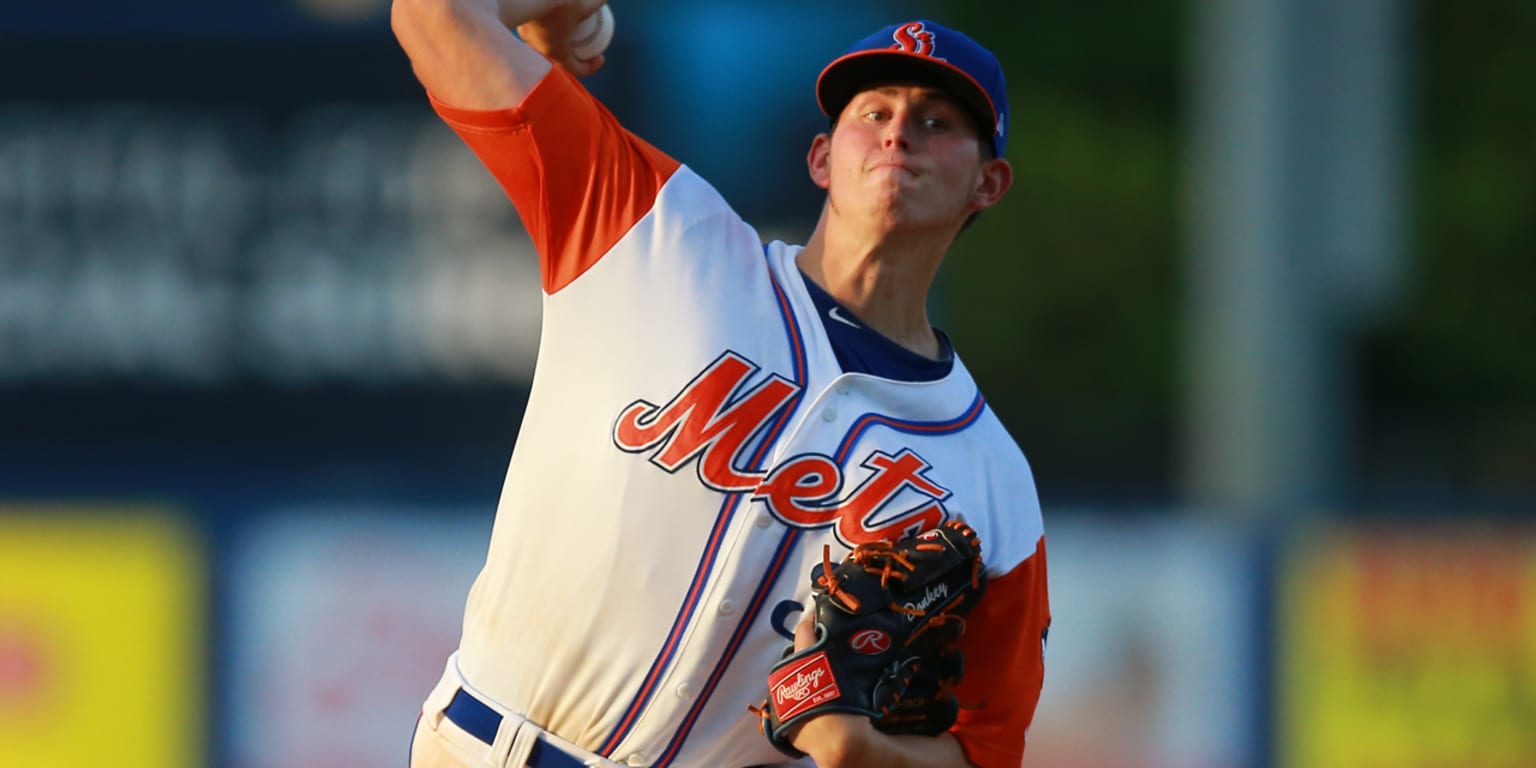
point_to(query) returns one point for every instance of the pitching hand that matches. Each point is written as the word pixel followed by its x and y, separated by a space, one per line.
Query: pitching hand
pixel 548 27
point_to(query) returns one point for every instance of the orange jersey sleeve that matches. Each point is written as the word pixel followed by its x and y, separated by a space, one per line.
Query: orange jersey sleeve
pixel 1004 648
pixel 578 178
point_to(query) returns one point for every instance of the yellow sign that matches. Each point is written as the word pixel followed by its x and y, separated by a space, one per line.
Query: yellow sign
pixel 100 639
pixel 1409 649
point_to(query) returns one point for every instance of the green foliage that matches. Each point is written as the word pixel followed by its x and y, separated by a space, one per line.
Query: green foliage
pixel 1465 336
pixel 1063 299
pixel 1448 381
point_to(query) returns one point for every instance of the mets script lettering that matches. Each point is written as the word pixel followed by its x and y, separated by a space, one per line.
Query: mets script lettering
pixel 715 417
pixel 702 419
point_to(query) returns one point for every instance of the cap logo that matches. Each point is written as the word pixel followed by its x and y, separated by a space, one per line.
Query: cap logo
pixel 914 38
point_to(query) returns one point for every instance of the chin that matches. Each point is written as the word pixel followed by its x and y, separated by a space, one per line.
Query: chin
pixel 893 219
pixel 891 204
pixel 891 209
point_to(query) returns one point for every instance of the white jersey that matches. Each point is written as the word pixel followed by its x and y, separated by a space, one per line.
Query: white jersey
pixel 689 446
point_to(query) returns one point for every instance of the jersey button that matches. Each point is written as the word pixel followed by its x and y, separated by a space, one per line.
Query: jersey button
pixel 727 607
pixel 829 414
pixel 763 521
pixel 635 760
pixel 685 691
pixel 842 387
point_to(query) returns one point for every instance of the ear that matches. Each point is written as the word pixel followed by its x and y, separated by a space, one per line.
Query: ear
pixel 819 160
pixel 994 181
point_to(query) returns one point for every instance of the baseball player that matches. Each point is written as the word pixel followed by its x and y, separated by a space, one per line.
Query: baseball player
pixel 709 411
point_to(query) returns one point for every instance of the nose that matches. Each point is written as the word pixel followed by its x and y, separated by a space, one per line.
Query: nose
pixel 897 133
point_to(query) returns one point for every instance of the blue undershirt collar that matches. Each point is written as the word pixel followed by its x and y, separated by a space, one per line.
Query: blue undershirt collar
pixel 860 349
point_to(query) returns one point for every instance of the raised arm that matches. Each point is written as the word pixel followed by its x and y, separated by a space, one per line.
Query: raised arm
pixel 466 54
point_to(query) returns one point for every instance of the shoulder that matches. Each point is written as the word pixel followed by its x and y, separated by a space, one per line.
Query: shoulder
pixel 1008 518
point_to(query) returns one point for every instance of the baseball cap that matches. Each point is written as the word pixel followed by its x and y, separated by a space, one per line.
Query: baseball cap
pixel 926 52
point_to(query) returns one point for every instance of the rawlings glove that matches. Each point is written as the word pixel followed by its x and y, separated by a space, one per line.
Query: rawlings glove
pixel 887 620
pixel 929 706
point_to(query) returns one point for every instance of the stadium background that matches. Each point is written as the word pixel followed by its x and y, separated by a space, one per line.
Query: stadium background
pixel 1259 310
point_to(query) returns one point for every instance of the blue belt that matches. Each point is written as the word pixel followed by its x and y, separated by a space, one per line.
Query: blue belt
pixel 481 722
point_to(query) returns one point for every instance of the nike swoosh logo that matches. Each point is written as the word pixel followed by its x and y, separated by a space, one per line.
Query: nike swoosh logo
pixel 837 315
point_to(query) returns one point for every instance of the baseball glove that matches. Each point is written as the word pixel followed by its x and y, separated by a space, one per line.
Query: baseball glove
pixel 887 620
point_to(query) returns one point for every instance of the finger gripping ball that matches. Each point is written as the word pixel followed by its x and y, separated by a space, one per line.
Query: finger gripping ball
pixel 593 34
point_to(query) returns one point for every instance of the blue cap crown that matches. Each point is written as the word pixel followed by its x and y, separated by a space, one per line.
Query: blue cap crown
pixel 926 52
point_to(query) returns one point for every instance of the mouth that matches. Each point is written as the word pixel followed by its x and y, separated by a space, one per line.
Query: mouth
pixel 892 165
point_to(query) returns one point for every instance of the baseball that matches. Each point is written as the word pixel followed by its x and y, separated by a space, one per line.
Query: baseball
pixel 593 34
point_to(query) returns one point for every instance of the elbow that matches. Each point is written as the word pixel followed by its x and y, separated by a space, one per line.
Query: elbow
pixel 405 15
pixel 425 29
pixel 408 19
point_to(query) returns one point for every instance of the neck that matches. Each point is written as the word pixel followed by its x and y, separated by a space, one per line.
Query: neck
pixel 882 278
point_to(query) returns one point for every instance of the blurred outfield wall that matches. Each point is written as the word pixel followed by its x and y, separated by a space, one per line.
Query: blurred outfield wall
pixel 307 635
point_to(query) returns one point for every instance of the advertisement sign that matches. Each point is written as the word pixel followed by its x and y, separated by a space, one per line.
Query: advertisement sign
pixel 1151 660
pixel 1409 648
pixel 101 656
pixel 164 244
pixel 342 619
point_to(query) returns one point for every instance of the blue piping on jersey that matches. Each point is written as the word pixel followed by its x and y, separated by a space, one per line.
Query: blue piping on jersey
pixel 749 617
pixel 869 420
pixel 723 518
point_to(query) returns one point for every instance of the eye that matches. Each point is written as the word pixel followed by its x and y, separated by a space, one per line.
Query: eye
pixel 934 123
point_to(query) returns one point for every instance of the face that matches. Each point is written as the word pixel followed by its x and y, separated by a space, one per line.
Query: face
pixel 905 154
